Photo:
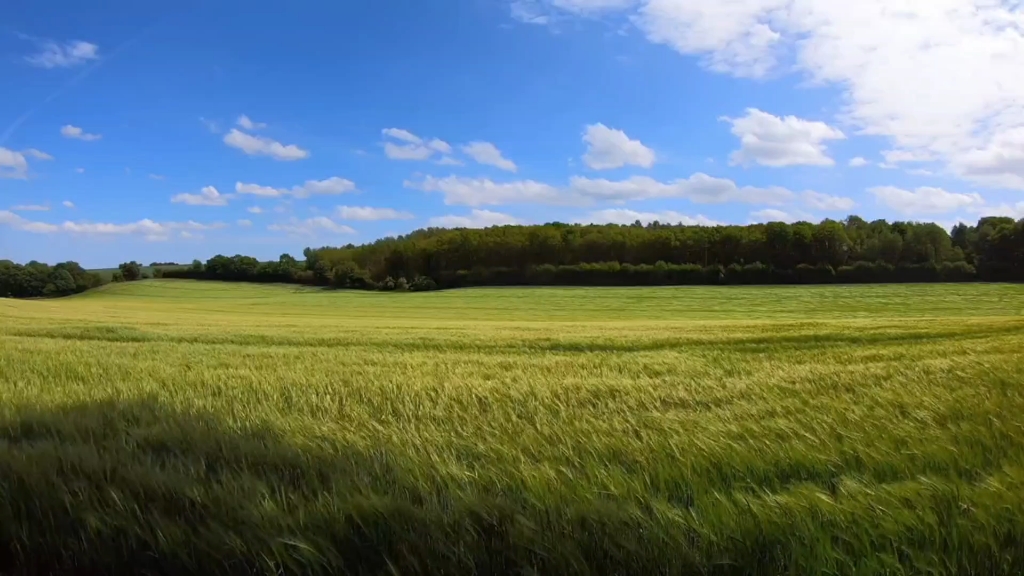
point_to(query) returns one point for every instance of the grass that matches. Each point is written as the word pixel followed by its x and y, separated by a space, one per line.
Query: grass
pixel 176 426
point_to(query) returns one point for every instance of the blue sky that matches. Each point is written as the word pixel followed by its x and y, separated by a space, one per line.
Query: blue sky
pixel 171 132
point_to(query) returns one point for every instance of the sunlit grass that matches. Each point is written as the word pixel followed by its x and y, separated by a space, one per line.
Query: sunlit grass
pixel 218 428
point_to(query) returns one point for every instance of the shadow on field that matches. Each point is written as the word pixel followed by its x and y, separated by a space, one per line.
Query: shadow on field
pixel 137 488
pixel 124 488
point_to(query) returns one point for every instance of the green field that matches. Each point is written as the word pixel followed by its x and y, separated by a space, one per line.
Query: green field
pixel 177 426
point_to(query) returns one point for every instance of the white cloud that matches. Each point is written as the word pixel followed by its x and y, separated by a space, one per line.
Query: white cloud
pixel 938 77
pixel 208 196
pixel 858 162
pixel 80 170
pixel 254 210
pixel 68 204
pixel 827 202
pixel 449 161
pixel 699 188
pixel 244 223
pixel 482 191
pixel 403 135
pixel 475 219
pixel 247 123
pixel 146 228
pixel 30 208
pixel 262 146
pixel 924 200
pixel 487 153
pixel 773 141
pixel 413 147
pixel 775 215
pixel 368 213
pixel 311 226
pixel 157 177
pixel 12 164
pixel 329 186
pixel 54 55
pixel 36 154
pixel 920 172
pixel 69 131
pixel 407 151
pixel 625 216
pixel 1015 211
pixel 893 157
pixel 608 148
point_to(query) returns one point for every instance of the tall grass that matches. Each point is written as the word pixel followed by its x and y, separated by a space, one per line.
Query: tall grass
pixel 180 427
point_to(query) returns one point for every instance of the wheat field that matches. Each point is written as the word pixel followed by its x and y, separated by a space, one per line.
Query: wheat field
pixel 188 427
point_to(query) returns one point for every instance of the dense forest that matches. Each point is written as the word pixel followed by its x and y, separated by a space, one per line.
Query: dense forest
pixel 852 250
pixel 37 280
pixel 848 251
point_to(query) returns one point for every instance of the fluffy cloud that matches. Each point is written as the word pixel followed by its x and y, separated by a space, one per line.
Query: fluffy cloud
pixel 488 154
pixel 311 226
pixel 773 141
pixel 482 191
pixel 262 146
pixel 14 164
pixel 924 200
pixel 1015 211
pixel 68 204
pixel 413 147
pixel 699 188
pixel 54 55
pixel 148 229
pixel 254 210
pixel 608 148
pixel 858 162
pixel 367 213
pixel 208 196
pixel 244 223
pixel 247 123
pixel 30 208
pixel 624 216
pixel 76 133
pixel 37 154
pixel 775 215
pixel 826 202
pixel 939 77
pixel 330 186
pixel 475 219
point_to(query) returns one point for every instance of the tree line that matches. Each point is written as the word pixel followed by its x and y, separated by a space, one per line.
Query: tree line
pixel 848 251
pixel 39 280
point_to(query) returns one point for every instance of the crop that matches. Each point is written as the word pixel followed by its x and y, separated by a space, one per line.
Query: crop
pixel 178 426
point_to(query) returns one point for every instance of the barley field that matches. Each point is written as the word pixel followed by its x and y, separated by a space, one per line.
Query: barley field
pixel 173 427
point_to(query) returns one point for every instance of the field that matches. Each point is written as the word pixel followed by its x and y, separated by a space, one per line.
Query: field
pixel 178 426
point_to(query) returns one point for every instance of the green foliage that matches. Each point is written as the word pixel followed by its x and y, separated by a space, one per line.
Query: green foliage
pixel 223 428
pixel 35 280
pixel 850 251
pixel 130 271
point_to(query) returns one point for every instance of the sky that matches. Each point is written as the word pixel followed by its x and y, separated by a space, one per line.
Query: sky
pixel 171 131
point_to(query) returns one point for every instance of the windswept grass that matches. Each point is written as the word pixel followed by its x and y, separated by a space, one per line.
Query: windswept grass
pixel 175 427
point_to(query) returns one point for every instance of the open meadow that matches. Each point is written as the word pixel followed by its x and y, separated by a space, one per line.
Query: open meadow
pixel 178 426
